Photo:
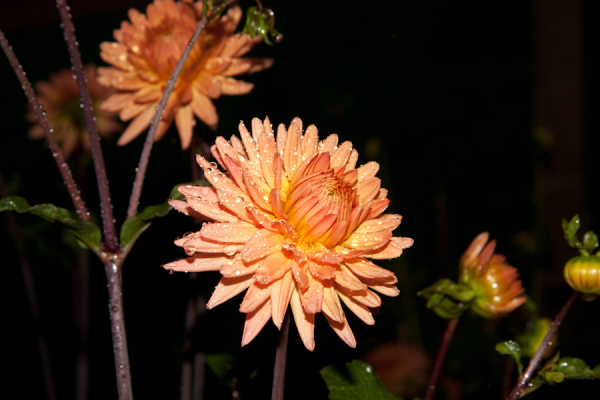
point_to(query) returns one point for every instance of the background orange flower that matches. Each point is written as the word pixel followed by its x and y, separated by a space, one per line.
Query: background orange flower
pixel 146 53
pixel 60 98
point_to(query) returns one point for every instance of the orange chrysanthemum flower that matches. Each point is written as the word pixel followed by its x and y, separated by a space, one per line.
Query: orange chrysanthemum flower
pixel 296 224
pixel 495 283
pixel 145 56
pixel 60 98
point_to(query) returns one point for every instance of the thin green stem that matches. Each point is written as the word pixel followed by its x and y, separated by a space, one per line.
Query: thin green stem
pixel 439 359
pixel 280 359
pixel 537 357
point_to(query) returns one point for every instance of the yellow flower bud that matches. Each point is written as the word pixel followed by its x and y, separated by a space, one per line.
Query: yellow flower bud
pixel 582 273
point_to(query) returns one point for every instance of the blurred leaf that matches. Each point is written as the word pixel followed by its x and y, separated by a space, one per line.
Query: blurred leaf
pixel 533 336
pixel 590 241
pixel 355 381
pixel 447 298
pixel 220 363
pixel 133 227
pixel 570 231
pixel 511 348
pixel 558 369
pixel 85 231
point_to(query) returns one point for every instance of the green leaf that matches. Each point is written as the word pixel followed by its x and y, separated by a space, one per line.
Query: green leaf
pixel 570 231
pixel 261 21
pixel 355 381
pixel 133 227
pixel 85 231
pixel 558 369
pixel 511 348
pixel 447 298
pixel 590 241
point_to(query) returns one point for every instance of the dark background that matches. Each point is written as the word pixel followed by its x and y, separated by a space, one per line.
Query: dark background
pixel 449 97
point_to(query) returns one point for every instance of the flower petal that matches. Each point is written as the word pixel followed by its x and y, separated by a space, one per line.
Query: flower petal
pixel 280 297
pixel 343 331
pixel 261 244
pixel 304 322
pixel 198 263
pixel 228 288
pixel 255 321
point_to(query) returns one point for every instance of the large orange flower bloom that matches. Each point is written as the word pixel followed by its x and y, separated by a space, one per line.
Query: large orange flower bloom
pixel 145 56
pixel 296 224
pixel 60 98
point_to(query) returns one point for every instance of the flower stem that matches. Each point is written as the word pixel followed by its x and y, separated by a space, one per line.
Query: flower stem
pixel 40 116
pixel 143 164
pixel 439 359
pixel 526 375
pixel 110 236
pixel 117 319
pixel 280 358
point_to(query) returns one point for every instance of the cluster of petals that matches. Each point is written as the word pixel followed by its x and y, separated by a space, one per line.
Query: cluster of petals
pixel 146 53
pixel 59 96
pixel 295 223
pixel 495 283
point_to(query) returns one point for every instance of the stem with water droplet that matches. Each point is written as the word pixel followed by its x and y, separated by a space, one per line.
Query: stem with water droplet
pixel 117 320
pixel 143 165
pixel 110 235
pixel 537 357
pixel 280 358
pixel 40 116
pixel 439 359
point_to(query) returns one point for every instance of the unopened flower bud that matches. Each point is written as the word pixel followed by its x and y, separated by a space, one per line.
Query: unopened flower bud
pixel 582 273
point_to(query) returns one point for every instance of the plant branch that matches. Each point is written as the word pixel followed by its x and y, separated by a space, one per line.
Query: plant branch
pixel 439 359
pixel 110 236
pixel 143 164
pixel 117 319
pixel 537 357
pixel 40 116
pixel 280 358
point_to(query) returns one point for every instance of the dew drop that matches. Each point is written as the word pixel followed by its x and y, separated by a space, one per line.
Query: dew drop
pixel 229 250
